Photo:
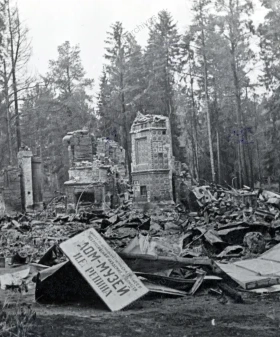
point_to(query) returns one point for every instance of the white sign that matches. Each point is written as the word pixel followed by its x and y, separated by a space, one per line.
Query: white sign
pixel 103 269
pixel 137 188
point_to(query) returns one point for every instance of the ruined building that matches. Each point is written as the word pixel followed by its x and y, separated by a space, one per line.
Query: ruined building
pixel 21 186
pixel 152 158
pixel 97 170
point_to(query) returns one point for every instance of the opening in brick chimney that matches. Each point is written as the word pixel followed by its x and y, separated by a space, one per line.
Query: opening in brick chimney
pixel 85 197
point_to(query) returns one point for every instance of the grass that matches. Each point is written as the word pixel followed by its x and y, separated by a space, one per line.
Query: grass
pixel 17 319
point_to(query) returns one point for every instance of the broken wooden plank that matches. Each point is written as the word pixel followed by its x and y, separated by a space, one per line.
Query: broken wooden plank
pixel 198 283
pixel 178 261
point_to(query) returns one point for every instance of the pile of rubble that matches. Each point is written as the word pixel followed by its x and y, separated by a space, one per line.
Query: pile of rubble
pixel 222 240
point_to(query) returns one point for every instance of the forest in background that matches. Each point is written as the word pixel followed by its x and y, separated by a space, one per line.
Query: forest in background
pixel 218 82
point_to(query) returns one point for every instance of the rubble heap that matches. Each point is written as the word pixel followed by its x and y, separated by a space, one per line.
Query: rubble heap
pixel 225 235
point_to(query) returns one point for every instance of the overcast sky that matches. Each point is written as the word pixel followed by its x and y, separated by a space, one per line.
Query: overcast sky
pixel 85 22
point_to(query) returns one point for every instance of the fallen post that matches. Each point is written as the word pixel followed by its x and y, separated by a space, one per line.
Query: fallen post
pixel 178 261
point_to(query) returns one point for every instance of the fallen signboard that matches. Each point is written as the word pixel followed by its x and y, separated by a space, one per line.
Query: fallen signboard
pixel 103 269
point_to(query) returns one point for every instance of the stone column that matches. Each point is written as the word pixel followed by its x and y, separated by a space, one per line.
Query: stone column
pixel 25 164
pixel 37 179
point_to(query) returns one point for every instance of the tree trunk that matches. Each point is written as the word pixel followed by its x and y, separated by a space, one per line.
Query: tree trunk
pixel 239 121
pixel 195 148
pixel 193 159
pixel 8 115
pixel 14 78
pixel 239 166
pixel 243 172
pixel 218 157
pixel 217 124
pixel 208 108
pixel 209 131
pixel 257 144
pixel 126 131
pixel 251 157
pixel 69 94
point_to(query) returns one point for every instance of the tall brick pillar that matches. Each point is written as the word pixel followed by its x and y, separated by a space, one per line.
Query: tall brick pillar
pixel 37 179
pixel 25 164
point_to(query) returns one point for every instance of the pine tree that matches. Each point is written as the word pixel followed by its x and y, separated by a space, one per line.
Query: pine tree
pixel 122 87
pixel 236 27
pixel 67 77
pixel 161 60
pixel 61 103
pixel 200 39
pixel 161 68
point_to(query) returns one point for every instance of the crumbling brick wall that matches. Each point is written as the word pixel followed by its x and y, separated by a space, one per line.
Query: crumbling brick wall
pixel 80 146
pixel 11 189
pixel 94 166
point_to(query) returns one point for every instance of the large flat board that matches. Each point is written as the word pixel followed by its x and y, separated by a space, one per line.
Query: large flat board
pixel 103 269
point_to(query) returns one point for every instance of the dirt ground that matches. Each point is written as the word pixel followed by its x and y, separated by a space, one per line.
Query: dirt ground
pixel 200 315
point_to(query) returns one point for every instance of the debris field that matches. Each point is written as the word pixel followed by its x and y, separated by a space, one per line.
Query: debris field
pixel 225 243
